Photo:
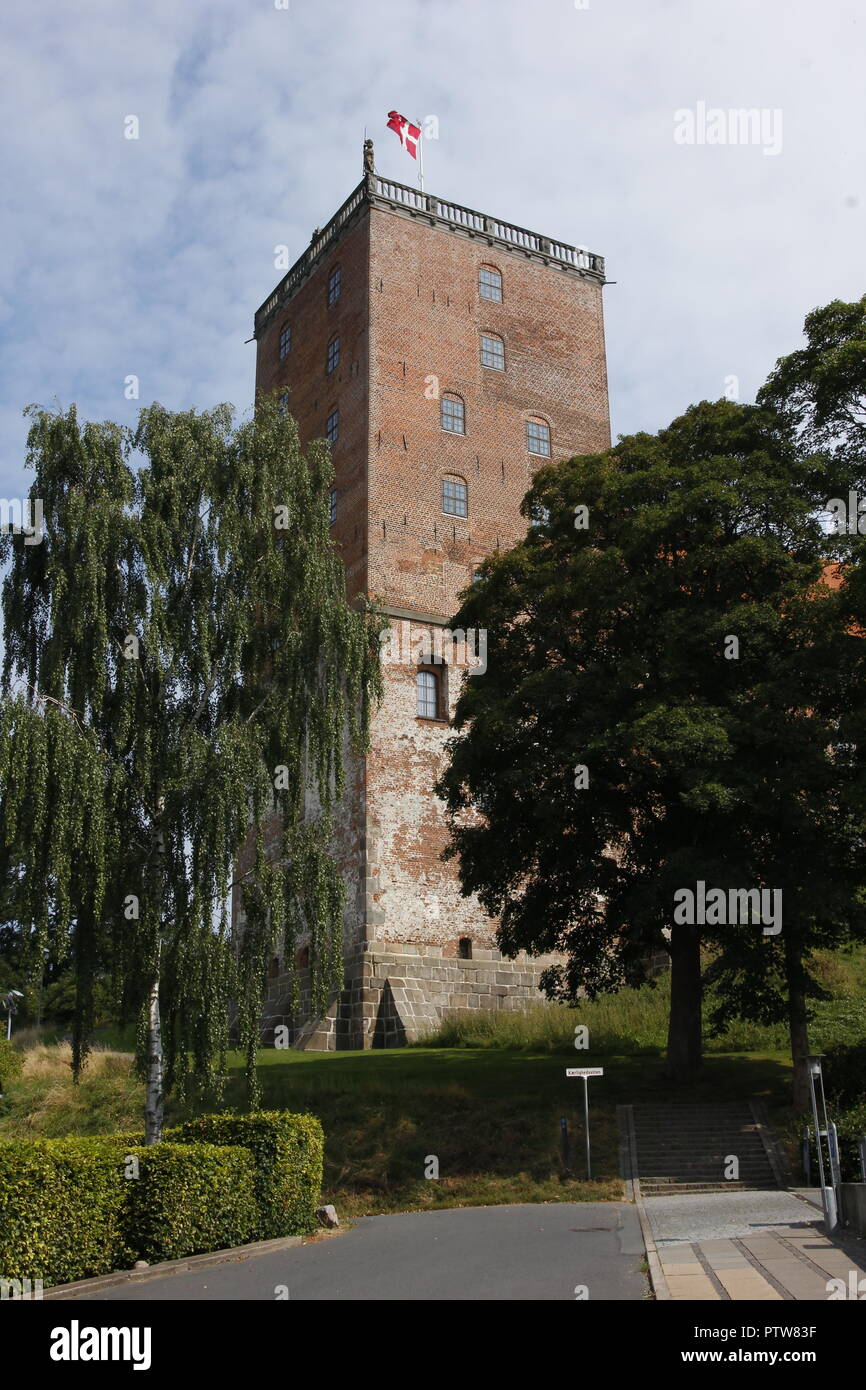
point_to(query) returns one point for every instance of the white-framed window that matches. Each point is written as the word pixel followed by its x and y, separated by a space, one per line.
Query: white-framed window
pixel 492 352
pixel 455 497
pixel 538 437
pixel 427 694
pixel 453 414
pixel 490 284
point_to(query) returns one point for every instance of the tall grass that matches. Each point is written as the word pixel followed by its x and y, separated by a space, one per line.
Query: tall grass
pixel 634 1022
pixel 43 1102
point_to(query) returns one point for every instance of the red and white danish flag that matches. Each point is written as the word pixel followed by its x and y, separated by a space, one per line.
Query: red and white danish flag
pixel 409 134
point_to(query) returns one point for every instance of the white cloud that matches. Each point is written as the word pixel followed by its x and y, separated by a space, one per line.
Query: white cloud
pixel 150 256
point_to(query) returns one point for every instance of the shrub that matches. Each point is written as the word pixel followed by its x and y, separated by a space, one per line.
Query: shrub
pixel 844 1070
pixel 288 1151
pixel 69 1208
pixel 850 1127
pixel 11 1063
pixel 188 1199
pixel 61 1209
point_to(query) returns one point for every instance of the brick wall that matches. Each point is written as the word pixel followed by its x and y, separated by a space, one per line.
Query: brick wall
pixel 409 319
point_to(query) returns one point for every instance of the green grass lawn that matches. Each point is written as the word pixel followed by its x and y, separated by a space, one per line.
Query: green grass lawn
pixel 485 1100
pixel 491 1118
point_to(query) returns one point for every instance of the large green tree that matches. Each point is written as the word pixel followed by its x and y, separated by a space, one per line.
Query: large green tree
pixel 669 688
pixel 820 389
pixel 182 674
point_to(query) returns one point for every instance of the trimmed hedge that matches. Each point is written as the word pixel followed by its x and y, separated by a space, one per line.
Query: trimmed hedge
pixel 189 1199
pixel 289 1154
pixel 61 1209
pixel 69 1209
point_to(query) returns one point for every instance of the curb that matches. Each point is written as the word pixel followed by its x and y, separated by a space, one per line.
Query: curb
pixel 628 1150
pixel 169 1267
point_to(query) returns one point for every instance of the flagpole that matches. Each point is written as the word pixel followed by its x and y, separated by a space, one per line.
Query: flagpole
pixel 420 156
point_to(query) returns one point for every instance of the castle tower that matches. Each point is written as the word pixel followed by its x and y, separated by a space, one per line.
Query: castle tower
pixel 447 355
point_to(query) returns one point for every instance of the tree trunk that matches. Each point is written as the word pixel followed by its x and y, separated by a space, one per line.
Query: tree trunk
pixel 154 1104
pixel 798 1026
pixel 684 1027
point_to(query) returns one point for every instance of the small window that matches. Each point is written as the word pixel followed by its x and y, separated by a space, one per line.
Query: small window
pixel 464 948
pixel 333 355
pixel 335 285
pixel 538 438
pixel 455 500
pixel 284 403
pixel 490 284
pixel 492 352
pixel 540 515
pixel 427 689
pixel 285 340
pixel 453 415
pixel 274 968
pixel 332 426
pixel 333 505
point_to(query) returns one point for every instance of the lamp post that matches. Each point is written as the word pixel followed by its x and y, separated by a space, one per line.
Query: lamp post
pixel 828 1194
pixel 9 1005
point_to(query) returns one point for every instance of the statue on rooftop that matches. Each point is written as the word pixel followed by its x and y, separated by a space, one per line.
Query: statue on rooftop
pixel 369 167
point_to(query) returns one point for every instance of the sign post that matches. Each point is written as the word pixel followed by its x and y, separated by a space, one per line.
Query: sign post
pixel 586 1072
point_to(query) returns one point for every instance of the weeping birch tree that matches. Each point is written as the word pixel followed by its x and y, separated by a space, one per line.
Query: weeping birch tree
pixel 182 676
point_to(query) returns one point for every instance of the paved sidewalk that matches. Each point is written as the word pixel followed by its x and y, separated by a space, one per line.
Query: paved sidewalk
pixel 769 1247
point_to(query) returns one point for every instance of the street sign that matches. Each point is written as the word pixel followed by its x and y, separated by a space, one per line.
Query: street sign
pixel 584 1072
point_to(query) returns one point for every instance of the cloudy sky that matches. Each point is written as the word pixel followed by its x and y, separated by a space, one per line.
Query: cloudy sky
pixel 148 257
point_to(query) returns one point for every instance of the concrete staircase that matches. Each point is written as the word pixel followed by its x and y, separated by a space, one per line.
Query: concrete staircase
pixel 680 1149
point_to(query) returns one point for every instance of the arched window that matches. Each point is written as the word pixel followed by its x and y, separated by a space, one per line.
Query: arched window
pixel 492 352
pixel 335 285
pixel 453 414
pixel 464 948
pixel 538 437
pixel 427 694
pixel 455 496
pixel 285 340
pixel 333 361
pixel 490 283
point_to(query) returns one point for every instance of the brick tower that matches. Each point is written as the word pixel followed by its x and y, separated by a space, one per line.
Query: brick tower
pixel 446 355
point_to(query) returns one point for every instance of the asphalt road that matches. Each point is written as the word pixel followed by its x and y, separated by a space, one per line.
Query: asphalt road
pixel 475 1253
